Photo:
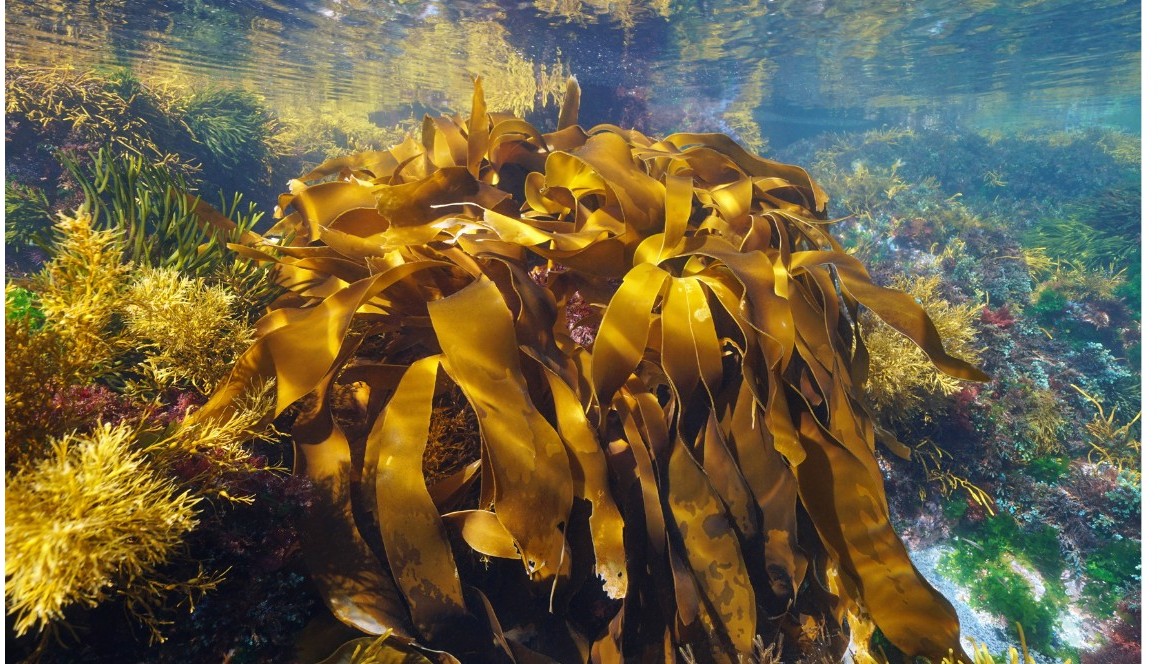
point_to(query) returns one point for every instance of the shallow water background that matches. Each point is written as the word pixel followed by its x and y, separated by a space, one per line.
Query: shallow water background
pixel 1007 84
pixel 777 70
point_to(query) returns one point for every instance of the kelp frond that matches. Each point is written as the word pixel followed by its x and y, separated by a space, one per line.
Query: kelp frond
pixel 90 522
pixel 384 649
pixel 700 461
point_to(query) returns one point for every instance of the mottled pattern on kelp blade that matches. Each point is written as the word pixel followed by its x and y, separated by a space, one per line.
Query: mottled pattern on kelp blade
pixel 717 408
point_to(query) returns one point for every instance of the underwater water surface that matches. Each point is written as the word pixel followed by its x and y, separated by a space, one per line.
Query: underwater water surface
pixel 794 67
pixel 984 157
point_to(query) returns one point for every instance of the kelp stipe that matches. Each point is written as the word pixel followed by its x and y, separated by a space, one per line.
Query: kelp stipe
pixel 708 458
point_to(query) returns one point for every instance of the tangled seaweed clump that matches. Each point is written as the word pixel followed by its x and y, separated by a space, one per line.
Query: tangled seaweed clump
pixel 901 377
pixel 700 475
pixel 95 318
pixel 58 555
pixel 115 515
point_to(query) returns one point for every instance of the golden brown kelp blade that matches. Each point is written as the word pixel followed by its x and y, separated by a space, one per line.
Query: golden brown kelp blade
pixel 657 342
pixel 571 105
pixel 529 463
pixel 869 553
pixel 412 529
pixel 356 588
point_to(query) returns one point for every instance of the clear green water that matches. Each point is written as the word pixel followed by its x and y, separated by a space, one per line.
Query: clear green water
pixel 786 68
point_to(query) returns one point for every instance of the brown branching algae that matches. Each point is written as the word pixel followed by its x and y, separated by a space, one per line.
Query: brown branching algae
pixel 901 377
pixel 103 355
pixel 91 521
pixel 702 473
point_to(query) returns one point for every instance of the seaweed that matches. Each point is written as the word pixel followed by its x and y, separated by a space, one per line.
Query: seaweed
pixel 195 355
pixel 1053 260
pixel 1111 574
pixel 218 141
pixel 27 217
pixel 235 142
pixel 102 358
pixel 90 522
pixel 161 224
pixel 713 431
pixel 1007 568
pixel 902 379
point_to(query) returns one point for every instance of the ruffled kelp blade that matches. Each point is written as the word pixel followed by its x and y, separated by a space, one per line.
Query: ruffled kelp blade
pixel 657 345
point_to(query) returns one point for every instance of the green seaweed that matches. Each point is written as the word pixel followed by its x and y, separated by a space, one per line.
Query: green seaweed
pixel 955 507
pixel 998 587
pixel 1098 231
pixel 21 304
pixel 28 217
pixel 993 562
pixel 1050 306
pixel 1110 574
pixel 1050 469
pixel 221 141
pixel 234 139
pixel 164 226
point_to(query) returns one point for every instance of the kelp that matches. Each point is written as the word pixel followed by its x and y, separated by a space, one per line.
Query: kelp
pixel 703 472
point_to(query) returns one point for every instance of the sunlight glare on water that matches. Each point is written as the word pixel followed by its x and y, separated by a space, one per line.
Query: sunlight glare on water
pixel 785 68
